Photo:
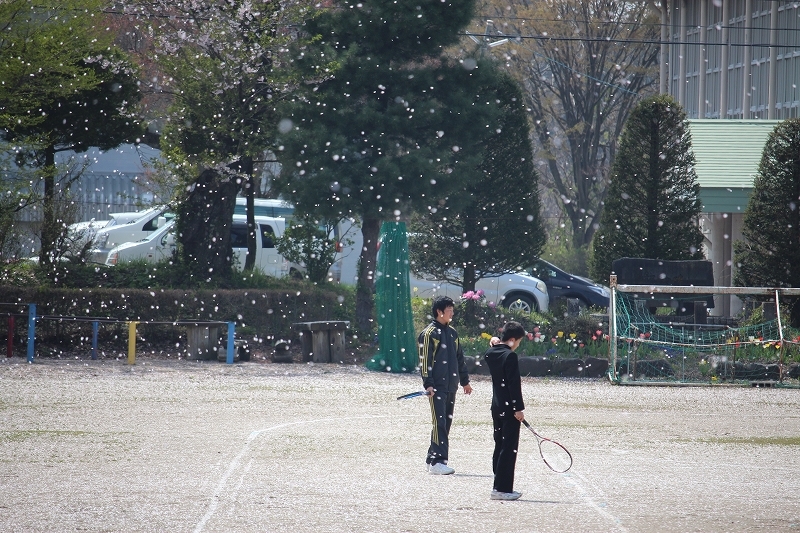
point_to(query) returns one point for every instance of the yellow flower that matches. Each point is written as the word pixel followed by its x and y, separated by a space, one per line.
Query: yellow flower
pixel 486 336
pixel 573 335
pixel 560 334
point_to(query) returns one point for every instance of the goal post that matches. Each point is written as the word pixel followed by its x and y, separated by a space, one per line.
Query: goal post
pixel 662 334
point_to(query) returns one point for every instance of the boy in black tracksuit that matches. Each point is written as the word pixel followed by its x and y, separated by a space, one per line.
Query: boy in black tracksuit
pixel 443 368
pixel 507 409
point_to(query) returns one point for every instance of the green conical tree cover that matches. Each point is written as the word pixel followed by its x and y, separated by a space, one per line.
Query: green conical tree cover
pixel 397 344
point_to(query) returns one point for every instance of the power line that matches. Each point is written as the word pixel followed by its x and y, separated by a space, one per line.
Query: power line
pixel 640 24
pixel 620 41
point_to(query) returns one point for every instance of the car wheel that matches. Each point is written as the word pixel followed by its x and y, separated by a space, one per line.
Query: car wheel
pixel 520 302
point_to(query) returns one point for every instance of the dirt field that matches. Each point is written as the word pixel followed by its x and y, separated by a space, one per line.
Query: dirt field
pixel 208 447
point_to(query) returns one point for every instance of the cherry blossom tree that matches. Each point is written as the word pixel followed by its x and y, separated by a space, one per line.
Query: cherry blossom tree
pixel 224 66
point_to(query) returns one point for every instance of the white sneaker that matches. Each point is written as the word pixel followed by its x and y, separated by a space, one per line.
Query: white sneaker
pixel 440 469
pixel 505 495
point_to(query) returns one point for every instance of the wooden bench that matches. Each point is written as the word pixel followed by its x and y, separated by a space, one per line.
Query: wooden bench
pixel 323 341
pixel 202 339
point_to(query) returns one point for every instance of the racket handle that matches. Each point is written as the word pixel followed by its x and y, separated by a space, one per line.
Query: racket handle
pixel 526 424
pixel 413 395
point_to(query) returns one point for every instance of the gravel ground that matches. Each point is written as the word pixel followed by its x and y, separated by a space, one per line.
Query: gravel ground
pixel 189 446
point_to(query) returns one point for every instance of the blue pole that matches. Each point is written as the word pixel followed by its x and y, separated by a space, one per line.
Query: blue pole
pixel 231 326
pixel 31 330
pixel 94 339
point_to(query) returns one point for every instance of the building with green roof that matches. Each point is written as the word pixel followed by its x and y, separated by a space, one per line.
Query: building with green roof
pixel 734 66
pixel 727 154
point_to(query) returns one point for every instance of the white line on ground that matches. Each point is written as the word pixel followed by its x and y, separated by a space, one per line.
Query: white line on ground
pixel 234 464
pixel 570 478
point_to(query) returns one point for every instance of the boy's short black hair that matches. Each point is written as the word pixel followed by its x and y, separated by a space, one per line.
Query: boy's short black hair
pixel 512 330
pixel 440 303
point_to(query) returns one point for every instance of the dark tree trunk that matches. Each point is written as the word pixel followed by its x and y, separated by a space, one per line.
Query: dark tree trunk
pixel 250 193
pixel 469 278
pixel 204 225
pixel 49 233
pixel 365 289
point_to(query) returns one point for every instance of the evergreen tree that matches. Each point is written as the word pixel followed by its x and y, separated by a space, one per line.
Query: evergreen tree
pixel 653 202
pixel 388 122
pixel 769 254
pixel 493 224
pixel 64 88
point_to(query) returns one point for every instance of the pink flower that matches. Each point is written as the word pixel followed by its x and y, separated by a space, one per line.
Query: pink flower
pixel 594 337
pixel 530 336
pixel 536 330
pixel 492 305
pixel 479 293
pixel 598 332
pixel 468 295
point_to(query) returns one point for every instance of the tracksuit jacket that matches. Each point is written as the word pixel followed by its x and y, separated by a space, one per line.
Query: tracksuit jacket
pixel 503 364
pixel 441 359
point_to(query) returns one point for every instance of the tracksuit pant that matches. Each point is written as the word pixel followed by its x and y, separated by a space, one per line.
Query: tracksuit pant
pixel 504 459
pixel 442 404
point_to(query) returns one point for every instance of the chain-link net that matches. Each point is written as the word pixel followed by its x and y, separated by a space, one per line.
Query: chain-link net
pixel 397 343
pixel 651 346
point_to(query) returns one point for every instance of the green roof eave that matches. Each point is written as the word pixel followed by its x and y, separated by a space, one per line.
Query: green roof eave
pixel 727 153
pixel 724 199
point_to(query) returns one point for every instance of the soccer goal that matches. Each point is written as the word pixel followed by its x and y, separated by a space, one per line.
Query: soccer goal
pixel 664 334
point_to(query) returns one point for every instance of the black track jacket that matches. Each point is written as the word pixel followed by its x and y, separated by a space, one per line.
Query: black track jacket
pixel 441 360
pixel 506 383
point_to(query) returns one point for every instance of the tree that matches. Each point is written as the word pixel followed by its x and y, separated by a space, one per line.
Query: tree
pixel 769 255
pixel 222 63
pixel 387 123
pixel 653 202
pixel 493 224
pixel 308 242
pixel 583 66
pixel 64 88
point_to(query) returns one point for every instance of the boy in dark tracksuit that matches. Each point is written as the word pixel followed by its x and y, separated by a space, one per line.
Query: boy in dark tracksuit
pixel 442 367
pixel 507 409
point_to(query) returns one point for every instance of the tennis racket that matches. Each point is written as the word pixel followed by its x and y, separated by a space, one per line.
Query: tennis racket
pixel 555 456
pixel 413 395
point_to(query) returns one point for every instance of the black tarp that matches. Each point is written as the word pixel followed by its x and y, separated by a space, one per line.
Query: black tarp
pixel 638 271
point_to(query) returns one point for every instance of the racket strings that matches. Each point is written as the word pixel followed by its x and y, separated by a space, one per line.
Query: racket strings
pixel 555 456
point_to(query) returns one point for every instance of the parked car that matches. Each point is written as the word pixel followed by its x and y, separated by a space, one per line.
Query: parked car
pixel 134 227
pixel 563 286
pixel 130 227
pixel 516 291
pixel 156 247
pixel 160 245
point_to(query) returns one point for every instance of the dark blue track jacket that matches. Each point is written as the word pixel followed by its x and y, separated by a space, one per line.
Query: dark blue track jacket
pixel 441 359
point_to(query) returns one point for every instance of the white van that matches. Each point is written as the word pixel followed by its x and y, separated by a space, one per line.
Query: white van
pixel 134 227
pixel 160 245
